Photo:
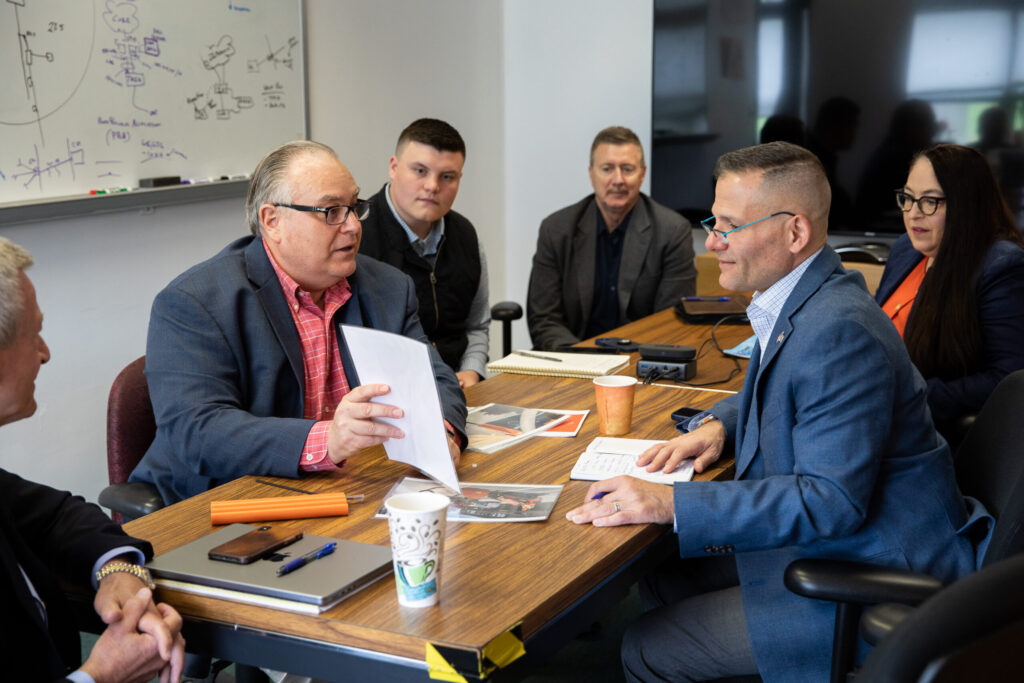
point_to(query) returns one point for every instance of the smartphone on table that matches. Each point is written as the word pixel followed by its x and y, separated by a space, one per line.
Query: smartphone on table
pixel 254 545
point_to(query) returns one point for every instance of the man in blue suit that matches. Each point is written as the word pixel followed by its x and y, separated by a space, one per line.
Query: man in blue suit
pixel 836 453
pixel 246 361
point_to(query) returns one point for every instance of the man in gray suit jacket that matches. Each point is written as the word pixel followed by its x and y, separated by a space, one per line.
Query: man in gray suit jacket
pixel 836 453
pixel 611 258
pixel 246 359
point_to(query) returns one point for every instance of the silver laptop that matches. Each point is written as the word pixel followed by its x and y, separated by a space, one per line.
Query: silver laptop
pixel 322 582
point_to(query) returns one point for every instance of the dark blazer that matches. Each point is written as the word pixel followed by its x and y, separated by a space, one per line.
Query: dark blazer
pixel 999 287
pixel 224 366
pixel 53 536
pixel 656 269
pixel 836 456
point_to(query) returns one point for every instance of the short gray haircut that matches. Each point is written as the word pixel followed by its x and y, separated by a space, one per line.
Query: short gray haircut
pixel 787 169
pixel 13 262
pixel 268 180
pixel 616 135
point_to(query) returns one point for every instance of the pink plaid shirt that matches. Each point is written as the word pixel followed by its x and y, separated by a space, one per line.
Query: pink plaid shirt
pixel 324 378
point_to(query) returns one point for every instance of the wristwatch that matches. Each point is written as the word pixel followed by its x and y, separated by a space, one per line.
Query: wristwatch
pixel 128 568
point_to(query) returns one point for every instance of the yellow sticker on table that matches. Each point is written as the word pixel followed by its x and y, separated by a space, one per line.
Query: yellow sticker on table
pixel 457 665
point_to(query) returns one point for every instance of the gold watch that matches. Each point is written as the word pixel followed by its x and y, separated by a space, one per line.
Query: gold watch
pixel 128 568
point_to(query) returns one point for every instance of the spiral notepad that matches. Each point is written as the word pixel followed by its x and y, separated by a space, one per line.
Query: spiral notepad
pixel 555 364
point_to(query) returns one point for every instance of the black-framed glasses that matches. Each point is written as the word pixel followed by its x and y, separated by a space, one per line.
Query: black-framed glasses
pixel 709 225
pixel 928 205
pixel 335 215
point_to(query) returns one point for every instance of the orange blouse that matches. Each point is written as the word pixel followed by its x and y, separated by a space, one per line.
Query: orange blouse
pixel 899 303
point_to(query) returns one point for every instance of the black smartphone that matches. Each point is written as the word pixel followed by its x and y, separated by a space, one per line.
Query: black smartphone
pixel 684 413
pixel 254 545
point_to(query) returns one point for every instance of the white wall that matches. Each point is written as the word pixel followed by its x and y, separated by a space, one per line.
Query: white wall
pixel 527 83
pixel 95 280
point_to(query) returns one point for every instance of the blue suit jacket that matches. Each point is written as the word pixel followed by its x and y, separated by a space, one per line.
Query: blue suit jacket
pixel 999 287
pixel 224 366
pixel 836 456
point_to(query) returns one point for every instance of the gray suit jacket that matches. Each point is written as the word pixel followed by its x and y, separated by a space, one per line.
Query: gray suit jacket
pixel 224 365
pixel 656 269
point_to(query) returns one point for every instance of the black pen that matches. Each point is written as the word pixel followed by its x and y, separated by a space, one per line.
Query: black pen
pixel 538 356
pixel 298 562
pixel 355 498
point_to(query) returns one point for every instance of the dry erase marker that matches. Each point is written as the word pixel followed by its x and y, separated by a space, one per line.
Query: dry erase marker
pixel 196 181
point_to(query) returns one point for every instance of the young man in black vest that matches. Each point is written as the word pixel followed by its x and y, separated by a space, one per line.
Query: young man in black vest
pixel 412 227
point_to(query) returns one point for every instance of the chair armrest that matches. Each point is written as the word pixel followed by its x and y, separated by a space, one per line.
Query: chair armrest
pixel 132 499
pixel 857 582
pixel 879 621
pixel 506 310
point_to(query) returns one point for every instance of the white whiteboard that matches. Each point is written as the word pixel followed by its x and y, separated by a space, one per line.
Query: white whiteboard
pixel 97 94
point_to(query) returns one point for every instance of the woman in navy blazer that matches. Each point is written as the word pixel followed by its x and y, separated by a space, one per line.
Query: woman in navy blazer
pixel 964 324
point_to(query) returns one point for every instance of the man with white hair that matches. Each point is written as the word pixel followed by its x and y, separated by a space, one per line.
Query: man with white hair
pixel 246 360
pixel 48 536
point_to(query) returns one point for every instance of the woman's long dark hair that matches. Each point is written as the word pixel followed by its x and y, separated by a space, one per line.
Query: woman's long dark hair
pixel 943 334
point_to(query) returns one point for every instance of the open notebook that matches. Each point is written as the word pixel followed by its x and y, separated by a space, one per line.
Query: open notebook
pixel 557 364
pixel 609 456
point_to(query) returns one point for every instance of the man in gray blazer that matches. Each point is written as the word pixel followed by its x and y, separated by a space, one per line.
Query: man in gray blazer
pixel 611 258
pixel 246 358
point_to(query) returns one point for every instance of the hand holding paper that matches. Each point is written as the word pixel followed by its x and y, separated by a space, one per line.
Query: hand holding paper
pixel 354 428
pixel 403 365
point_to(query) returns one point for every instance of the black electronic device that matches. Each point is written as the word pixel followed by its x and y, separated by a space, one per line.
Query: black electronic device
pixel 667 353
pixel 653 370
pixel 685 413
pixel 254 545
pixel 617 343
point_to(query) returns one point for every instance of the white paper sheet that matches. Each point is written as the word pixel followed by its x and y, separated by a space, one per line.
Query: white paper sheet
pixel 404 365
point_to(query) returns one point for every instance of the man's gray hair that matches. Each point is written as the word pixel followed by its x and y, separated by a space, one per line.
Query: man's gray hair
pixel 268 180
pixel 13 261
pixel 616 135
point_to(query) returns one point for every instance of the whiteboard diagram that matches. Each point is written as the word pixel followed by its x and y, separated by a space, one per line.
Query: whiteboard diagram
pixel 44 56
pixel 101 93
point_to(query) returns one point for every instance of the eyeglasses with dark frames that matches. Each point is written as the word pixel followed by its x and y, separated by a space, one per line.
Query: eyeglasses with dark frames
pixel 335 215
pixel 928 205
pixel 709 225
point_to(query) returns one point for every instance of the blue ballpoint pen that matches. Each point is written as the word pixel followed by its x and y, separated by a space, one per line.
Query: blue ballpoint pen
pixel 298 562
pixel 706 298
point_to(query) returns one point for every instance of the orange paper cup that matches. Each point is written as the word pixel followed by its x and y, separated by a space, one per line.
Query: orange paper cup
pixel 614 395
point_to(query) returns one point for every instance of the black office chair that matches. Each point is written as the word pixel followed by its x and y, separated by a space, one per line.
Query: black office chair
pixel 863 252
pixel 989 467
pixel 506 312
pixel 971 630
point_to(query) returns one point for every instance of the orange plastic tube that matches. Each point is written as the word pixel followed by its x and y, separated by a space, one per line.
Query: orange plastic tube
pixel 284 507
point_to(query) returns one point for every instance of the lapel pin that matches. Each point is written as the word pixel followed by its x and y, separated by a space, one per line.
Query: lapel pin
pixel 781 338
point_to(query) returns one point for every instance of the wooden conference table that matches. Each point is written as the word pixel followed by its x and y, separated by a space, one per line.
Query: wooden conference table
pixel 504 586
